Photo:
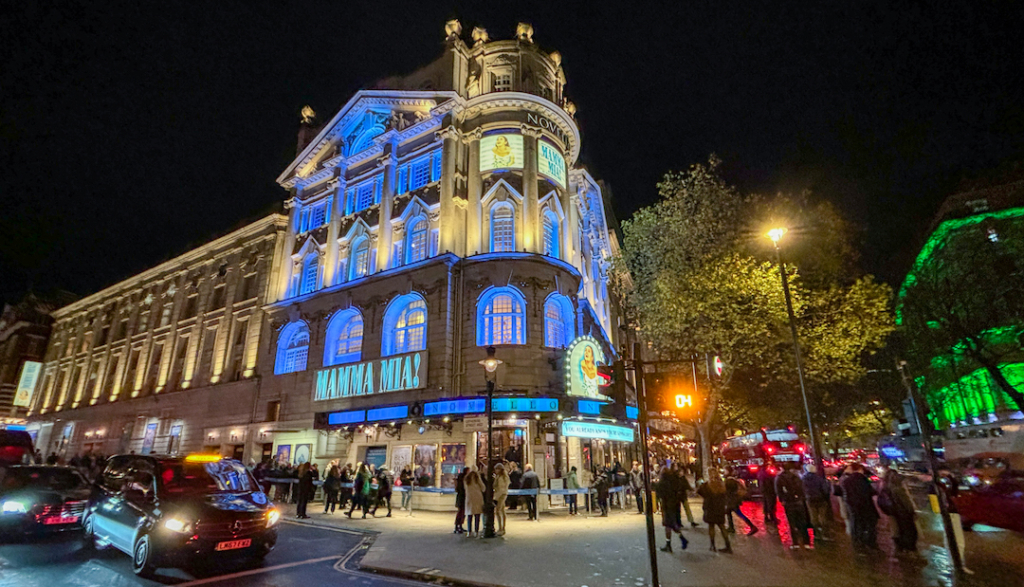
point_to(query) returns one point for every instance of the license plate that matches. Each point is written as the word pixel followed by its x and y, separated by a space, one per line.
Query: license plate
pixel 233 544
pixel 60 520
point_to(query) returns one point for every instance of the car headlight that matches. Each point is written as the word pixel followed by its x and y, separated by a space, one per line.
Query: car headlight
pixel 272 517
pixel 177 525
pixel 14 507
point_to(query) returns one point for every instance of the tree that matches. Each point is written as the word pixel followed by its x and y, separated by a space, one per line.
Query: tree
pixel 698 284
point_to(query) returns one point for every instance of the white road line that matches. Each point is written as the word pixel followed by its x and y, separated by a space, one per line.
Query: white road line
pixel 259 571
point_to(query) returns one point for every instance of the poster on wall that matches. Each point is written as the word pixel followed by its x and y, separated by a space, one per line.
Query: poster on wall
pixel 149 438
pixel 581 362
pixel 376 456
pixel 425 467
pixel 27 383
pixel 453 459
pixel 283 455
pixel 400 457
pixel 501 152
pixel 550 163
pixel 302 453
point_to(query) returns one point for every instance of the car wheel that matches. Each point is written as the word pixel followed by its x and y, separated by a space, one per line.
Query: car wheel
pixel 89 539
pixel 142 557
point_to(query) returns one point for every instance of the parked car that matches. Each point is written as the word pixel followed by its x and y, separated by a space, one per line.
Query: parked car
pixel 39 498
pixel 991 491
pixel 176 511
pixel 15 448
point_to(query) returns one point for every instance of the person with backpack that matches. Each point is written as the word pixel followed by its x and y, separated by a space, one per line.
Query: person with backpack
pixel 360 487
pixel 671 491
pixel 602 484
pixel 332 485
pixel 894 500
pixel 735 491
pixel 790 489
pixel 384 482
pixel 819 503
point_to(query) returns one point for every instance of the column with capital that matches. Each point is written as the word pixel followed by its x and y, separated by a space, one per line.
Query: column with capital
pixel 387 203
pixel 531 206
pixel 572 240
pixel 335 204
pixel 474 188
pixel 284 278
pixel 448 234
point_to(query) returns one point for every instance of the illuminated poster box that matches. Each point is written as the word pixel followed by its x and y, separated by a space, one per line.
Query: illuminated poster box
pixel 501 152
pixel 599 431
pixel 550 163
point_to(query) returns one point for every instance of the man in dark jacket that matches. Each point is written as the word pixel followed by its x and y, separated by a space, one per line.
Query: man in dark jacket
pixel 515 481
pixel 531 481
pixel 819 503
pixel 858 493
pixel 460 501
pixel 671 492
pixel 384 483
pixel 790 489
pixel 766 481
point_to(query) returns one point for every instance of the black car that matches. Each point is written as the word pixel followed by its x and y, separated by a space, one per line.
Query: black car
pixel 38 498
pixel 177 511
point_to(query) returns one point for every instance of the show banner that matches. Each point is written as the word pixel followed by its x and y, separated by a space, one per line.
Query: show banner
pixel 581 361
pixel 397 373
pixel 504 151
pixel 595 430
pixel 550 163
pixel 27 384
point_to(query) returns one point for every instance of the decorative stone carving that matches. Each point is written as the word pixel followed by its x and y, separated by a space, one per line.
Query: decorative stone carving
pixel 461 203
pixel 480 36
pixel 452 29
pixel 556 58
pixel 449 132
pixel 308 114
pixel 532 131
pixel 524 31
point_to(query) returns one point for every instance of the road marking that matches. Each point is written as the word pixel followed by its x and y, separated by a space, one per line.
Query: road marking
pixel 259 571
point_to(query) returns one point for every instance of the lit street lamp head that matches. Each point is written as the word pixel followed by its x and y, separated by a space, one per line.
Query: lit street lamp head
pixel 490 363
pixel 776 234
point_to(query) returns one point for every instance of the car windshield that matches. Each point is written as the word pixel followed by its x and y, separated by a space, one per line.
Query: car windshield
pixel 184 478
pixel 53 479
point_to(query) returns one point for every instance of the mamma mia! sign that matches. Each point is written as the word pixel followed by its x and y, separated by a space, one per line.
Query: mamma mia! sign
pixel 397 373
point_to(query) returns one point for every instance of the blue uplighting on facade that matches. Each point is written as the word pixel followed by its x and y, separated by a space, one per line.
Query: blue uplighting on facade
pixel 458 406
pixel 525 404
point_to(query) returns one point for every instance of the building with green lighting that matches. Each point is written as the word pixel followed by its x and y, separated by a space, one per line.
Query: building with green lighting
pixel 962 305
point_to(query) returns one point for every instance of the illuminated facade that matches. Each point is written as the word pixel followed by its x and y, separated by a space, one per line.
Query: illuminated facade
pixel 431 217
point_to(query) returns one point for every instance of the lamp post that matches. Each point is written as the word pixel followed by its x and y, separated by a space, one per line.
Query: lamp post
pixel 490 365
pixel 776 235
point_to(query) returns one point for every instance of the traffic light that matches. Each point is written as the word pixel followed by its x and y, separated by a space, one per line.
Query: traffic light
pixel 673 394
pixel 613 385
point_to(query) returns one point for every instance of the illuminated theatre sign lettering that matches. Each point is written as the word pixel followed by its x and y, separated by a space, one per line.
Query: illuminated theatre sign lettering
pixel 595 430
pixel 397 373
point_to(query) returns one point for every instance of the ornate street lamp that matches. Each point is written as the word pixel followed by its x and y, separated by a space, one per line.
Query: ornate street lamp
pixel 490 365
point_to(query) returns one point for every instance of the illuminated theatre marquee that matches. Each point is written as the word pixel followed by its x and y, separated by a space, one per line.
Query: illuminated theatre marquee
pixel 397 373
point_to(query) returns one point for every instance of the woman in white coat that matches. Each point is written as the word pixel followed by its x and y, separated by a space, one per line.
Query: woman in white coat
pixel 501 483
pixel 474 502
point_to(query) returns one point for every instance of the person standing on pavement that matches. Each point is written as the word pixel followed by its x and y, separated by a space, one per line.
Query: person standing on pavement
pixel 501 482
pixel 860 505
pixel 305 490
pixel 460 501
pixel 636 484
pixel 474 502
pixel 713 492
pixel 332 485
pixel 515 478
pixel 359 483
pixel 894 499
pixel 819 503
pixel 572 482
pixel 790 489
pixel 671 491
pixel 687 489
pixel 405 478
pixel 601 485
pixel 384 483
pixel 735 491
pixel 531 481
pixel 766 481
pixel 345 493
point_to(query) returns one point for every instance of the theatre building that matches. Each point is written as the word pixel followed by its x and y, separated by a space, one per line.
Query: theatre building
pixel 430 218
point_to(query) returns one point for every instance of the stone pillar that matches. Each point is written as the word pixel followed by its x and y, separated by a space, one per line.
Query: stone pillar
pixel 449 231
pixel 531 208
pixel 285 275
pixel 474 189
pixel 573 253
pixel 387 203
pixel 335 203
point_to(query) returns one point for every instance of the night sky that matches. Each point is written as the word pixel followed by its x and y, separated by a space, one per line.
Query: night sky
pixel 133 131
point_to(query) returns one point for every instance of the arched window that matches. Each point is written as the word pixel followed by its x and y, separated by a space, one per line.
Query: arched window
pixel 310 272
pixel 558 321
pixel 292 348
pixel 503 228
pixel 344 343
pixel 551 247
pixel 405 325
pixel 360 259
pixel 501 317
pixel 416 241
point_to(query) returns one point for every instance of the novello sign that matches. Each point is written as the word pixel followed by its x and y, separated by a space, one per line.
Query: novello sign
pixel 397 373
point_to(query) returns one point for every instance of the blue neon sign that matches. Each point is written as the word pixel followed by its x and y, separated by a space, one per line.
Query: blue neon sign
pixel 352 417
pixel 457 406
pixel 632 412
pixel 391 413
pixel 595 430
pixel 525 404
pixel 587 406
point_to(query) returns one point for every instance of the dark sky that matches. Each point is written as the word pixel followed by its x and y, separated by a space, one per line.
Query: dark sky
pixel 131 131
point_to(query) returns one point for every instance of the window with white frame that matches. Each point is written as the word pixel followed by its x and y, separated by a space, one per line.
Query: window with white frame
pixel 310 273
pixel 550 234
pixel 364 196
pixel 416 237
pixel 292 348
pixel 360 258
pixel 344 342
pixel 405 325
pixel 501 317
pixel 419 173
pixel 558 321
pixel 503 228
pixel 318 216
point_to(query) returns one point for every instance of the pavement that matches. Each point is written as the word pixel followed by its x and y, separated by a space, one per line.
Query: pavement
pixel 583 551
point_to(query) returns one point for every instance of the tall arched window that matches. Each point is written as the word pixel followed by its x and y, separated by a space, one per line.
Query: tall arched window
pixel 405 325
pixel 344 343
pixel 292 348
pixel 360 258
pixel 551 247
pixel 416 241
pixel 503 228
pixel 501 317
pixel 310 273
pixel 559 326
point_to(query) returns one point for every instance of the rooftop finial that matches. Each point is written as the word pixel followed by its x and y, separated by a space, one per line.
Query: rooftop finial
pixel 308 114
pixel 480 35
pixel 452 28
pixel 524 31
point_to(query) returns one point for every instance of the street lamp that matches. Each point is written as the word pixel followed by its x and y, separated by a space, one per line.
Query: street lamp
pixel 490 365
pixel 776 235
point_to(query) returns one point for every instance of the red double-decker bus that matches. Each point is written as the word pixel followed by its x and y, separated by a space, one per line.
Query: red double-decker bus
pixel 748 453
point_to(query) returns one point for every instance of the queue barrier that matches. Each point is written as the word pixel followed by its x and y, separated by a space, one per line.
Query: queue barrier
pixel 405 488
